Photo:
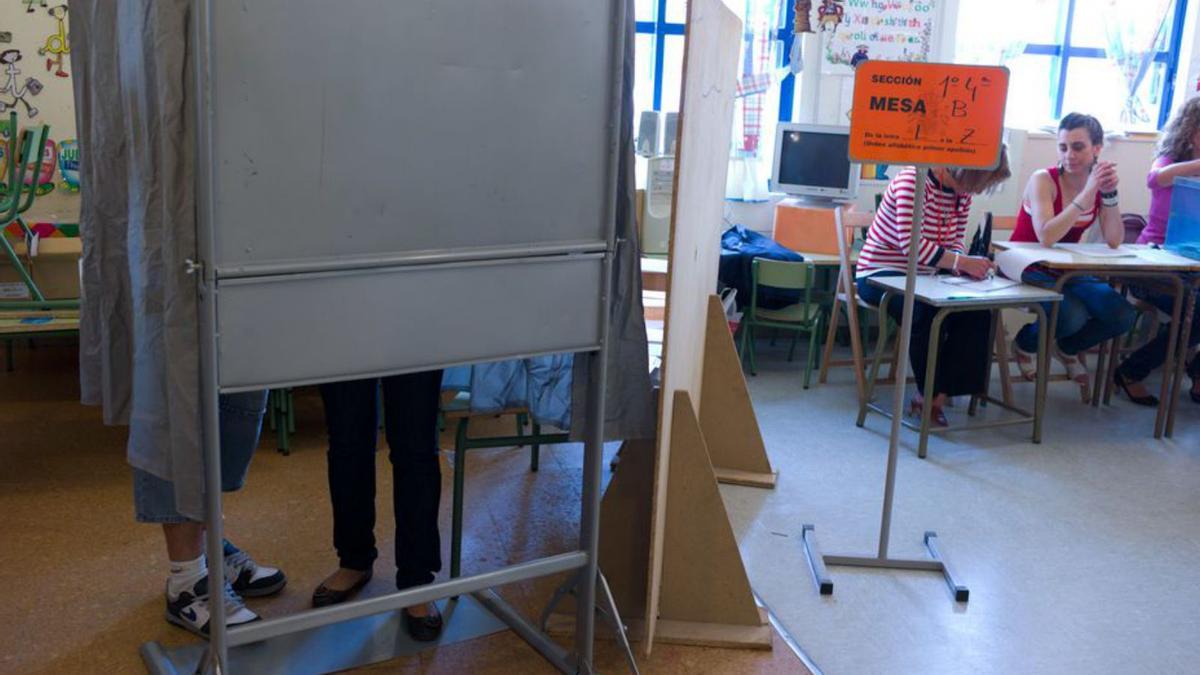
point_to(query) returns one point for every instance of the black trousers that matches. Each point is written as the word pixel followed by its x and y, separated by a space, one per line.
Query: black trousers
pixel 410 408
pixel 964 352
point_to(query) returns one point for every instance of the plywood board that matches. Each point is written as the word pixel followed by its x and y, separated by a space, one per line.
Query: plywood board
pixel 706 117
pixel 731 431
pixel 703 577
pixel 706 596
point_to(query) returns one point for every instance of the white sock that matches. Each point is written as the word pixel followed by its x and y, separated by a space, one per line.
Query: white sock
pixel 185 574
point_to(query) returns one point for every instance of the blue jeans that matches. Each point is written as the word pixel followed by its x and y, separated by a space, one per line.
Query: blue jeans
pixel 241 420
pixel 1151 355
pixel 1090 313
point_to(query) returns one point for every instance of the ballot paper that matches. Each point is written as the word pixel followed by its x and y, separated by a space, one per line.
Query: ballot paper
pixel 1012 262
pixel 988 285
pixel 1098 250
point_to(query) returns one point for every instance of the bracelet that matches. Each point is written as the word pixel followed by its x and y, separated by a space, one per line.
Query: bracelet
pixel 1076 205
pixel 955 268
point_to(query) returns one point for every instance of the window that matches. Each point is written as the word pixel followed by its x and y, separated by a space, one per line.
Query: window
pixel 659 55
pixel 1058 52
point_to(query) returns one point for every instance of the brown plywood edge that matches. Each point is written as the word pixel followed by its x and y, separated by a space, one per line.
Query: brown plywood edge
pixel 746 478
pixel 731 430
pixel 713 37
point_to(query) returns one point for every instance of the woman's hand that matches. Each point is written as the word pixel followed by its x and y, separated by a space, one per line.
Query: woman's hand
pixel 974 266
pixel 1103 177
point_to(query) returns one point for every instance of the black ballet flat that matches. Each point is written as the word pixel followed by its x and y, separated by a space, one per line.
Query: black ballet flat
pixel 1149 400
pixel 325 596
pixel 424 628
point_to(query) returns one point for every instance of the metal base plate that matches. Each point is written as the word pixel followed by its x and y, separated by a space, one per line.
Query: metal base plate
pixel 359 642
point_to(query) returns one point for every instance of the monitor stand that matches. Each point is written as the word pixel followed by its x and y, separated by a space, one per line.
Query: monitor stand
pixel 807 201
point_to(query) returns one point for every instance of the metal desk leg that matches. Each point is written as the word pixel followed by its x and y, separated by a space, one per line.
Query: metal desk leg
pixel 1185 334
pixel 935 333
pixel 1043 369
pixel 874 374
pixel 1164 403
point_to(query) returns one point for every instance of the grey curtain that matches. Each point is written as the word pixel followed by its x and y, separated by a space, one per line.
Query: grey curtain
pixel 630 410
pixel 139 356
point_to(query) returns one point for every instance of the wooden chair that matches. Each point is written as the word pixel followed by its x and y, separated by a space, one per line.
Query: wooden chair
pixel 802 317
pixel 849 224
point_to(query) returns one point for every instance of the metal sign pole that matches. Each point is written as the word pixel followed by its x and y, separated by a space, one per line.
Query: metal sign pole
pixel 935 563
pixel 905 337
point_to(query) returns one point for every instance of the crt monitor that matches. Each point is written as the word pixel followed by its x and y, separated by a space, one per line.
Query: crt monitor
pixel 813 160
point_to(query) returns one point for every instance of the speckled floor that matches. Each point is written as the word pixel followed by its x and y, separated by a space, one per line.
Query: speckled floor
pixel 83 582
pixel 1080 553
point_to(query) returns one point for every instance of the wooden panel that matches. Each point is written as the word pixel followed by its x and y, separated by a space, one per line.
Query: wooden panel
pixel 706 112
pixel 735 443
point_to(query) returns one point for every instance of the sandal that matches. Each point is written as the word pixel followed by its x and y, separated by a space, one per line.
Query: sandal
pixel 1026 362
pixel 1149 400
pixel 1076 370
pixel 937 416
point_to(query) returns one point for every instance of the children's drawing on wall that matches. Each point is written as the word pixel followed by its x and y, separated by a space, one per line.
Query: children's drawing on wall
pixel 12 87
pixel 57 46
pixel 68 165
pixel 30 3
pixel 803 11
pixel 829 15
pixel 860 55
pixel 895 30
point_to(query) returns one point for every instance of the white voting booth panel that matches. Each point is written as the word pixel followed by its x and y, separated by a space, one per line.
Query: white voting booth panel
pixel 379 127
pixel 405 318
pixel 373 180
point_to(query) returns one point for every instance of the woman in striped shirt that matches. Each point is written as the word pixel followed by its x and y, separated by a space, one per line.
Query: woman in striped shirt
pixel 1060 204
pixel 963 356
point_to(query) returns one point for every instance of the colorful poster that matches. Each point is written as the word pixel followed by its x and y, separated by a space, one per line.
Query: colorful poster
pixel 886 30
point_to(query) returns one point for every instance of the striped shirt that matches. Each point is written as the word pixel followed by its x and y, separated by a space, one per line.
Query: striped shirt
pixel 888 239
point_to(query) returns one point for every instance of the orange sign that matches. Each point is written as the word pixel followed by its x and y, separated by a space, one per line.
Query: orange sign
pixel 928 113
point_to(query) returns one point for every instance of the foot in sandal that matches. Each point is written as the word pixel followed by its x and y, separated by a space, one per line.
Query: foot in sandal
pixel 1026 361
pixel 1076 370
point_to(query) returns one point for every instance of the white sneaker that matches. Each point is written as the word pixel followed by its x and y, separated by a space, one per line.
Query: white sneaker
pixel 248 578
pixel 190 608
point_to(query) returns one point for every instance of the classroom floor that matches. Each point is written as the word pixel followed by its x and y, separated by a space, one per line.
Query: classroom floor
pixel 83 582
pixel 1080 553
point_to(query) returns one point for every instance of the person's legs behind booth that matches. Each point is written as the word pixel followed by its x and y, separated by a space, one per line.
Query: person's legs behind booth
pixel 187 584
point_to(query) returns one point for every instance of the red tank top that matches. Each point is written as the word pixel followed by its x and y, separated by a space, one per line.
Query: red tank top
pixel 1023 231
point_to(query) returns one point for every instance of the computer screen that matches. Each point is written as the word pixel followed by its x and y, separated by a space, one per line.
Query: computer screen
pixel 813 160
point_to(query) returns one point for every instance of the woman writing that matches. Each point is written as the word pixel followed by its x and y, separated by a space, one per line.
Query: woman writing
pixel 1060 204
pixel 963 361
pixel 1178 155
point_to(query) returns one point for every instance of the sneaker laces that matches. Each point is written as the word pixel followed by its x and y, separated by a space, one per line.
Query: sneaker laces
pixel 238 562
pixel 233 601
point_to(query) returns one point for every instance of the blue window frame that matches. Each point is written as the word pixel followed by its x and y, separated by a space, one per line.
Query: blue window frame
pixel 1067 51
pixel 662 30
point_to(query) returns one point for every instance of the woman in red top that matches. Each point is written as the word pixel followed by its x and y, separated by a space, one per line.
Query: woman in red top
pixel 1060 204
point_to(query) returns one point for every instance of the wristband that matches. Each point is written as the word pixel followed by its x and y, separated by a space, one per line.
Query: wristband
pixel 1109 199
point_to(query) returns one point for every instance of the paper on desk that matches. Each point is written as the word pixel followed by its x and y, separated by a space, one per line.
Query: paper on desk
pixel 1012 262
pixel 981 286
pixel 1098 250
